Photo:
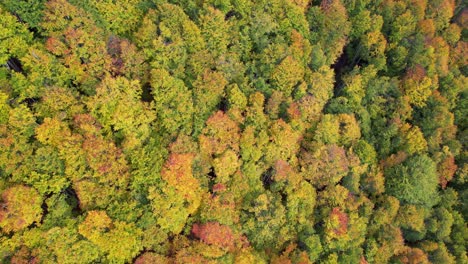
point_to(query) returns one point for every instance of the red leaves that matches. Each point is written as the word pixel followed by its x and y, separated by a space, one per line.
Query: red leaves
pixel 219 187
pixel 212 233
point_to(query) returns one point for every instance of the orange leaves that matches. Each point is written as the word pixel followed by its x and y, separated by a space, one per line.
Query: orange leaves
pixel 178 172
pixel 178 196
pixel 56 47
pixel 151 258
pixel 212 233
pixel 446 169
pixel 413 255
pixel 219 134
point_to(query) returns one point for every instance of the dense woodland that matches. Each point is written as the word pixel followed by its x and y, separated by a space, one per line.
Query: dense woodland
pixel 233 131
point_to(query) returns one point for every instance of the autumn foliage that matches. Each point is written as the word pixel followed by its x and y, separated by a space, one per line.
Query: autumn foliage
pixel 233 131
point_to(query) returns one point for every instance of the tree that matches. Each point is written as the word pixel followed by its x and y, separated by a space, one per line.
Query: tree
pixel 127 59
pixel 117 107
pixel 417 86
pixel 326 166
pixel 329 27
pixel 96 167
pixel 287 75
pixel 284 143
pixel 120 241
pixel 77 41
pixel 215 31
pixel 20 207
pixel 173 102
pixel 15 36
pixel 411 219
pixel 233 131
pixel 327 131
pixel 415 181
pixel 414 141
pixel 263 221
pixel 148 258
pixel 29 11
pixel 226 165
pixel 219 134
pixel 168 37
pixel 212 233
pixel 172 201
pixel 208 91
pixel 120 18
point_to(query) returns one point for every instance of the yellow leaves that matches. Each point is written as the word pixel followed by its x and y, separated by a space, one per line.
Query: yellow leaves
pixel 96 222
pixel 287 75
pixel 59 102
pixel 328 130
pixel 169 208
pixel 284 143
pixel 414 140
pixel 219 134
pixel 179 196
pixel 80 39
pixel 411 217
pixel 177 172
pixel 173 101
pixel 215 30
pixel 301 202
pixel 417 87
pixel 300 47
pixel 117 106
pixel 303 4
pixel 321 84
pixel 52 132
pixel 20 208
pixel 349 129
pixel 248 256
pixel 209 251
pixel 226 165
pixel 121 17
pixel 119 240
pixel 14 37
pixel 4 108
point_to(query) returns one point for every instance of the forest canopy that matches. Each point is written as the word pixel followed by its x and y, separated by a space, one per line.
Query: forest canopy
pixel 233 131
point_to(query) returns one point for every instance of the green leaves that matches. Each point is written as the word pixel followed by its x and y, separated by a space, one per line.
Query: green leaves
pixel 415 181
